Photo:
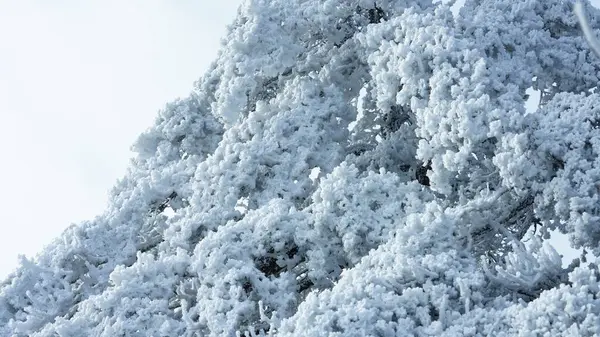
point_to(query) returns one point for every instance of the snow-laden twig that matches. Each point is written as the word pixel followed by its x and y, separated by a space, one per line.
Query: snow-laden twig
pixel 585 27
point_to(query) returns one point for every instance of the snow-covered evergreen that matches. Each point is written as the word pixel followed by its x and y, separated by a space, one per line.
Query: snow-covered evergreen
pixel 349 168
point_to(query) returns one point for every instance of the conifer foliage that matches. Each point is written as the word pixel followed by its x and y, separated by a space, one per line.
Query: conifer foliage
pixel 349 168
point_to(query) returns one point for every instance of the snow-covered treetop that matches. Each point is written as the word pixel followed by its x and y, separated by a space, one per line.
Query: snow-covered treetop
pixel 349 168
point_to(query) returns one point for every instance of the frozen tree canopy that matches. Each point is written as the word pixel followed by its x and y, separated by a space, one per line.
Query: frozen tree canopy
pixel 350 168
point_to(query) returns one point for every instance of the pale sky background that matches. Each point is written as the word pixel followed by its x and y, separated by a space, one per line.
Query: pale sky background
pixel 79 80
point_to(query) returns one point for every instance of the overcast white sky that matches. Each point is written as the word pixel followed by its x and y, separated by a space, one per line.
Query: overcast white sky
pixel 79 80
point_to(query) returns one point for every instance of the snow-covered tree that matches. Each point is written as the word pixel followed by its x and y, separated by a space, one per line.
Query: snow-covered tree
pixel 350 168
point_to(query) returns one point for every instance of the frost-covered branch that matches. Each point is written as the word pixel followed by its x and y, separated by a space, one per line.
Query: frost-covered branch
pixel 585 27
pixel 412 118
